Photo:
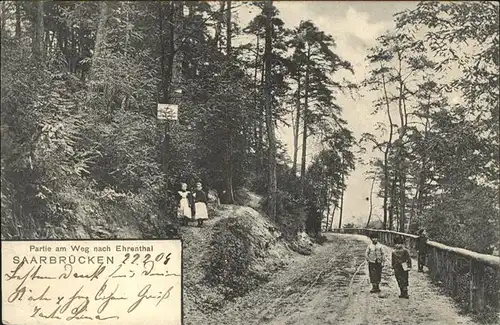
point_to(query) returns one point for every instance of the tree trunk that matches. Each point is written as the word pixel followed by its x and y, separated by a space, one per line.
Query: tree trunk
pixel 163 54
pixel 386 186
pixel 296 130
pixel 257 119
pixel 229 170
pixel 341 197
pixel 262 117
pixel 393 201
pixel 100 38
pixel 18 20
pixel 400 158
pixel 371 204
pixel 341 206
pixel 47 43
pixel 402 202
pixel 229 148
pixel 228 28
pixel 169 73
pixel 328 210
pixel 304 131
pixel 3 15
pixel 269 113
pixel 327 199
pixel 163 99
pixel 423 170
pixel 126 6
pixel 386 153
pixel 413 209
pixel 333 216
pixel 218 25
pixel 38 39
pixel 327 217
pixel 51 44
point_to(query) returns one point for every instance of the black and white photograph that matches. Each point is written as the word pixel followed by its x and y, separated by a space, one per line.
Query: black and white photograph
pixel 250 162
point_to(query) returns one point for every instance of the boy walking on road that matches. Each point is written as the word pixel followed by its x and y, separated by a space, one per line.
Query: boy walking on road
pixel 375 258
pixel 401 263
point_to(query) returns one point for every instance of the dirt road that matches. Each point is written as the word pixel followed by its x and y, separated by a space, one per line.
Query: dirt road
pixel 332 287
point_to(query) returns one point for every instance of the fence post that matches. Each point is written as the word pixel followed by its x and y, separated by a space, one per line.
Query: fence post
pixel 441 270
pixel 434 269
pixel 476 286
pixel 449 272
pixel 454 267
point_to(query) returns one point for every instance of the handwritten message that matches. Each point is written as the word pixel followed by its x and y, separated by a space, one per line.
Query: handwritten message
pixel 107 282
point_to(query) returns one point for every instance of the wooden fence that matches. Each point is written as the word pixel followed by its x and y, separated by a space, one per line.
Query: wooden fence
pixel 470 278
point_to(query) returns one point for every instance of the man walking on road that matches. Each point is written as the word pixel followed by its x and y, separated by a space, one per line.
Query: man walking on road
pixel 422 249
pixel 375 258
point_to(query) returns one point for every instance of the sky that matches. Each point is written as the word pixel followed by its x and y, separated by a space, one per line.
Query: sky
pixel 354 25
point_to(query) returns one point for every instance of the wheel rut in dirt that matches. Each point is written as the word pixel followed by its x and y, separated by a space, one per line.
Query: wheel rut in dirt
pixel 323 294
pixel 312 287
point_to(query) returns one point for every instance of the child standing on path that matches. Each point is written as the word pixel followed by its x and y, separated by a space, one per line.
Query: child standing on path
pixel 401 263
pixel 185 203
pixel 375 257
pixel 200 205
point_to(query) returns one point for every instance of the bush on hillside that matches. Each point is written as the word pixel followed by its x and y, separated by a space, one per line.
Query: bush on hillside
pixel 228 264
pixel 320 239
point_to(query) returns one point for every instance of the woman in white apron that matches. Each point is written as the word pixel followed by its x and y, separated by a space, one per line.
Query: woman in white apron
pixel 200 205
pixel 185 203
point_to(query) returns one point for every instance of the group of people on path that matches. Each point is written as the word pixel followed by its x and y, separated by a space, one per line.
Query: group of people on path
pixel 192 204
pixel 400 260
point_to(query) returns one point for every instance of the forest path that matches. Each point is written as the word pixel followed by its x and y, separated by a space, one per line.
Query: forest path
pixel 332 287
